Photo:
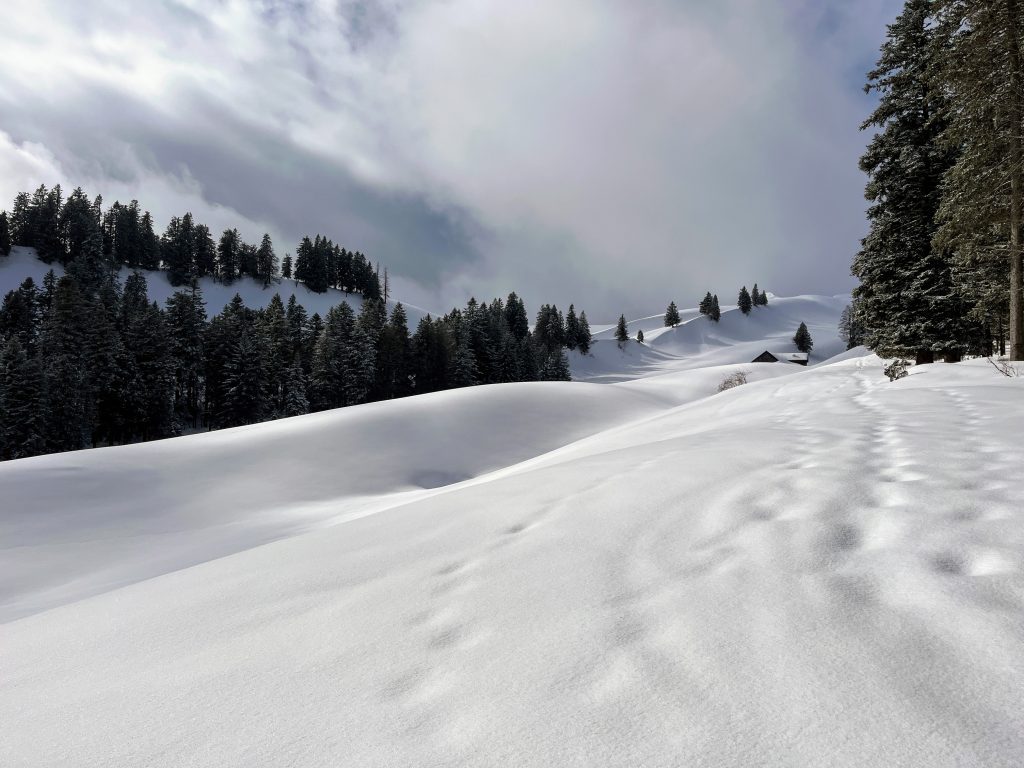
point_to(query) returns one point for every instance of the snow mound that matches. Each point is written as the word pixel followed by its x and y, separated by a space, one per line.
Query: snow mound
pixel 823 563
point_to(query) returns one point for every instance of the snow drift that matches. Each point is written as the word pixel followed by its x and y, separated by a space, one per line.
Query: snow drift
pixel 817 568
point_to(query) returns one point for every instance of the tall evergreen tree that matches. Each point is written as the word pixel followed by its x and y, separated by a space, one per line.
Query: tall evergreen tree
pixel 21 407
pixel 286 267
pixel 715 312
pixel 705 304
pixel 743 301
pixel 907 299
pixel 5 234
pixel 978 66
pixel 671 315
pixel 621 331
pixel 584 338
pixel 802 339
pixel 266 262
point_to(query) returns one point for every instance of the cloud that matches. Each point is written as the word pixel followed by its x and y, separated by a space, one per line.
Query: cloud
pixel 613 154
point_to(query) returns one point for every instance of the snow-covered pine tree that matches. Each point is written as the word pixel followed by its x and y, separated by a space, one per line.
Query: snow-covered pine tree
pixel 802 339
pixel 621 331
pixel 21 407
pixel 743 301
pixel 705 304
pixel 978 65
pixel 908 302
pixel 672 315
pixel 296 402
pixel 556 367
pixel 266 261
pixel 572 328
pixel 228 257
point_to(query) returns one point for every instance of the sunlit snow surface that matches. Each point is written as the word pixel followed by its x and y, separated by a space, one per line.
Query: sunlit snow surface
pixel 820 568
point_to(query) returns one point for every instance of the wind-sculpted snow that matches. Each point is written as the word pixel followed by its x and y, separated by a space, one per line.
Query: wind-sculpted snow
pixel 817 568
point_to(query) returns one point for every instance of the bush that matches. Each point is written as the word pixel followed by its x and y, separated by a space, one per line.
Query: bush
pixel 733 380
pixel 897 369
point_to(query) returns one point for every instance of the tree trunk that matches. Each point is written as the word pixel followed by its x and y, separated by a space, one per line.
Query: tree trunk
pixel 924 357
pixel 1016 184
pixel 951 356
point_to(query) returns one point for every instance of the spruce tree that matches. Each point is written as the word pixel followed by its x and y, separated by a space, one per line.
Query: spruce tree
pixel 228 256
pixel 743 301
pixel 572 328
pixel 186 322
pixel 296 401
pixel 5 234
pixel 802 340
pixel 556 367
pixel 245 400
pixel 671 315
pixel 978 66
pixel 584 338
pixel 755 296
pixel 621 331
pixel 266 262
pixel 67 407
pixel 640 335
pixel 908 302
pixel 286 267
pixel 715 312
pixel 705 304
pixel 21 407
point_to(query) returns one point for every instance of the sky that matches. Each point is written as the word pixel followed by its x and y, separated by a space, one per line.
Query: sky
pixel 613 154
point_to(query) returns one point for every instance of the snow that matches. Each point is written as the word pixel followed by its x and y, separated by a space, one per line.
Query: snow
pixel 820 567
pixel 23 262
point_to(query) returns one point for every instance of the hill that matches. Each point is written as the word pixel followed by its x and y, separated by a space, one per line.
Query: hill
pixel 820 562
pixel 22 263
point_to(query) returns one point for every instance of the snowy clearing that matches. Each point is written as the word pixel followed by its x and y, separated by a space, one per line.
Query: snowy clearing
pixel 817 568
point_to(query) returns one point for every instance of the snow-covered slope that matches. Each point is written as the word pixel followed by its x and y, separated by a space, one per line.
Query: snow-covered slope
pixel 698 342
pixel 818 568
pixel 22 262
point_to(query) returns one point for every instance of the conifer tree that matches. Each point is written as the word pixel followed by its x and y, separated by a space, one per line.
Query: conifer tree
pixel 5 234
pixel 186 322
pixel 286 267
pixel 245 400
pixel 640 335
pixel 762 299
pixel 908 302
pixel 584 338
pixel 755 296
pixel 21 407
pixel 556 367
pixel 266 261
pixel 671 315
pixel 296 401
pixel 621 331
pixel 705 304
pixel 572 328
pixel 978 65
pixel 743 301
pixel 802 340
pixel 66 409
pixel 229 256
pixel 715 312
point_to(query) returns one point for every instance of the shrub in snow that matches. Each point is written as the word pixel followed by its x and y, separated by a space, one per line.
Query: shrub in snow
pixel 897 369
pixel 733 380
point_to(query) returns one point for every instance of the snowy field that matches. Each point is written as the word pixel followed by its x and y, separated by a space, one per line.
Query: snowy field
pixel 819 568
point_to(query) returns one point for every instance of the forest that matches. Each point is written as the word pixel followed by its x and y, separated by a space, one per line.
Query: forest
pixel 940 269
pixel 86 361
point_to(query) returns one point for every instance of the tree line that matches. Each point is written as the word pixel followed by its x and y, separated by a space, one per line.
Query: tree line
pixel 86 361
pixel 940 269
pixel 76 231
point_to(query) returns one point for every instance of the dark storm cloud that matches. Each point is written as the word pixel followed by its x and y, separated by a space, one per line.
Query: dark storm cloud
pixel 615 154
